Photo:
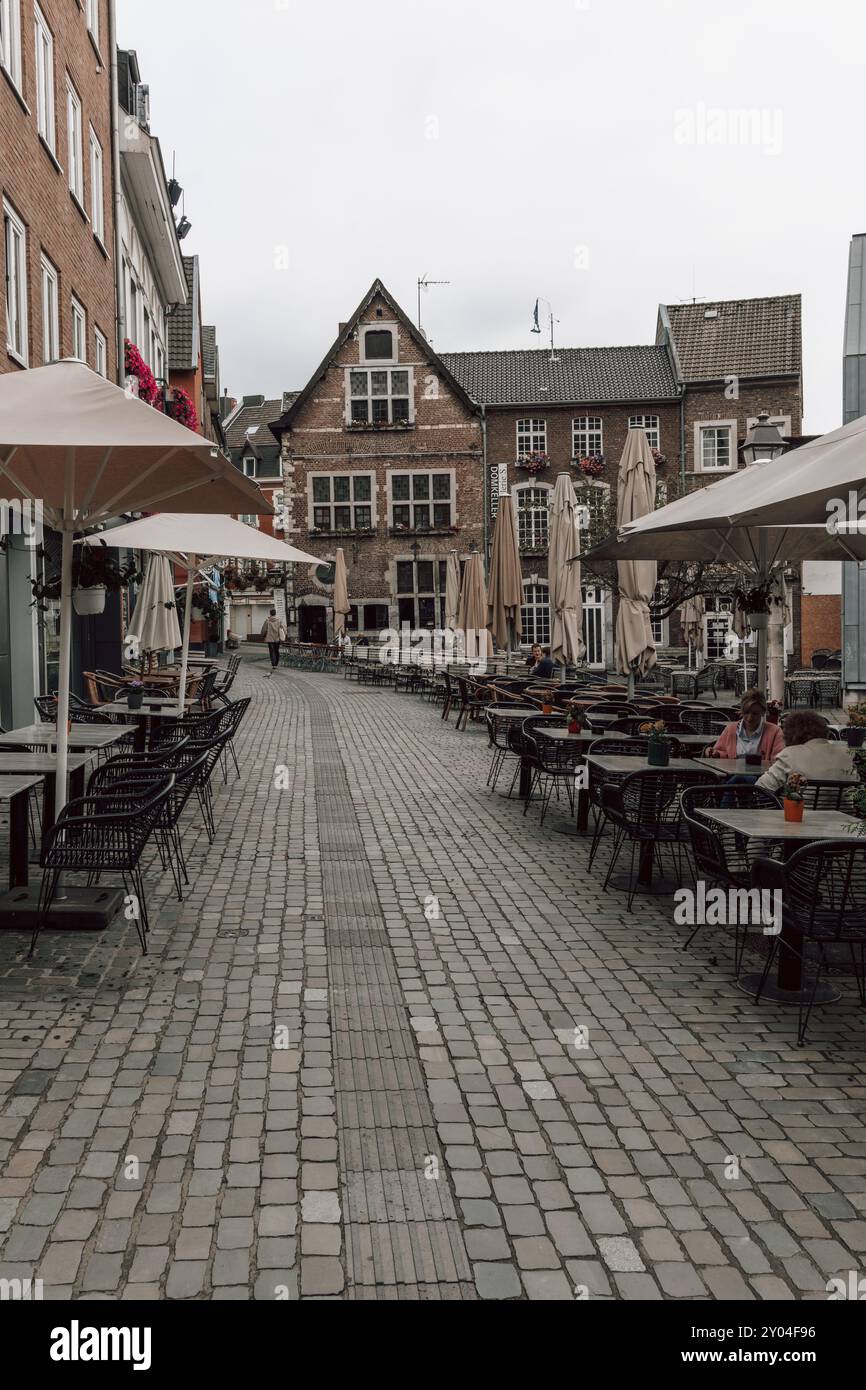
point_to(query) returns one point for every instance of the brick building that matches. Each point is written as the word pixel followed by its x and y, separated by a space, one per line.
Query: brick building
pixel 255 451
pixel 382 455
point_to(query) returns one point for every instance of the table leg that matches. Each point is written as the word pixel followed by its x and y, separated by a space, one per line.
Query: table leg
pixel 139 743
pixel 645 872
pixel 582 810
pixel 525 778
pixel 48 795
pixel 19 837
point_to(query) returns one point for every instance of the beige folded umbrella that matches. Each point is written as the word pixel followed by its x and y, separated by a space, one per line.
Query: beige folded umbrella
pixel 636 497
pixel 341 595
pixel 692 620
pixel 153 626
pixel 86 452
pixel 505 590
pixel 472 609
pixel 563 578
pixel 452 590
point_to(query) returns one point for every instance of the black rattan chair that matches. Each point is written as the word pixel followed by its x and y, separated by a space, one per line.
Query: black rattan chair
pixel 645 809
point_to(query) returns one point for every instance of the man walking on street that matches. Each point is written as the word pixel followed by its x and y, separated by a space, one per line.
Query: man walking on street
pixel 274 633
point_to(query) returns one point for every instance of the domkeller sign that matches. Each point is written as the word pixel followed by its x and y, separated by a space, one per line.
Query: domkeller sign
pixel 498 486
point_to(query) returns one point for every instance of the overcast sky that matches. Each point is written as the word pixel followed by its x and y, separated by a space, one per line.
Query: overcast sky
pixel 593 152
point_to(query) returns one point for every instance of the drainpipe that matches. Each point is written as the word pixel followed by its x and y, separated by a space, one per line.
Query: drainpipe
pixel 120 288
pixel 486 483
pixel 682 439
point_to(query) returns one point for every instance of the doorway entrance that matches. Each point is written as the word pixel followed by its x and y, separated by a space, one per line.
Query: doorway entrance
pixel 313 624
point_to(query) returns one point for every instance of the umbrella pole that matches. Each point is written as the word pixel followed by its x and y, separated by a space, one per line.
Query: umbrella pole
pixel 191 561
pixel 64 668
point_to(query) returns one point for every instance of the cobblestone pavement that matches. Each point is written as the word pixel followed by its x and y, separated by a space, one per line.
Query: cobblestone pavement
pixel 347 1066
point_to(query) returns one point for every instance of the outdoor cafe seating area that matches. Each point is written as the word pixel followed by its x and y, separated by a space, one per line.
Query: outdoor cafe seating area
pixel 579 757
pixel 144 772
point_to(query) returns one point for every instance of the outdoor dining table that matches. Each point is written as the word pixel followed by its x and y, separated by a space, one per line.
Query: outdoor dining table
pixel 16 790
pixel 43 767
pixel 150 709
pixel 623 764
pixel 81 736
pixel 770 824
pixel 735 767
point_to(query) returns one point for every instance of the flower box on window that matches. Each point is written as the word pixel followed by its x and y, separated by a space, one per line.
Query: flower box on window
pixel 533 464
pixel 592 466
pixel 380 425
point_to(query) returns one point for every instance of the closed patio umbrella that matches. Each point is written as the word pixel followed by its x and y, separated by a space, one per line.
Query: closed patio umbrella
pixel 88 452
pixel 636 496
pixel 452 590
pixel 472 609
pixel 192 540
pixel 505 589
pixel 563 578
pixel 692 620
pixel 341 595
pixel 154 626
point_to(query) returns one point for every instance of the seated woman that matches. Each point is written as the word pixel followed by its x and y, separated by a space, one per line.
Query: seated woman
pixel 809 751
pixel 751 734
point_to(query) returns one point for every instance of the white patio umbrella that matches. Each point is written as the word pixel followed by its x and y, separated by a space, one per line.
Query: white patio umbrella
pixel 85 452
pixel 563 578
pixel 193 540
pixel 341 595
pixel 636 497
pixel 154 626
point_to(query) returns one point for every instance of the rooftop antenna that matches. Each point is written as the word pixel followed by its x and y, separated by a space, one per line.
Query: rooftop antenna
pixel 424 284
pixel 536 327
pixel 695 299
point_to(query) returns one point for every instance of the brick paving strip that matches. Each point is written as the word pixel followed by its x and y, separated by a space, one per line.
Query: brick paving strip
pixel 347 1068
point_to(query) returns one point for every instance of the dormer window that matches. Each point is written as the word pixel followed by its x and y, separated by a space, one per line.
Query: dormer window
pixel 378 343
pixel 250 465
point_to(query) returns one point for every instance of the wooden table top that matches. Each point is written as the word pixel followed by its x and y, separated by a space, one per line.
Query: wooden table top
pixel 12 786
pixel 40 762
pixel 771 824
pixel 158 711
pixel 621 762
pixel 514 711
pixel 80 735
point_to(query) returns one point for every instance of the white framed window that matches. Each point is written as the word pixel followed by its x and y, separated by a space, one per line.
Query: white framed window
pixel 532 504
pixel 132 309
pixel 587 437
pixel 378 342
pixel 660 626
pixel 10 39
pixel 341 501
pixel 97 190
pixel 594 605
pixel 50 311
pixel 79 330
pixel 92 12
pixel 715 446
pixel 535 613
pixel 45 123
pixel 650 425
pixel 421 501
pixel 420 592
pixel 74 144
pixel 531 437
pixel 382 396
pixel 100 358
pixel 15 236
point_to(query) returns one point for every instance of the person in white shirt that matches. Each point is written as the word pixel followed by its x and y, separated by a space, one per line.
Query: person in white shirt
pixel 810 752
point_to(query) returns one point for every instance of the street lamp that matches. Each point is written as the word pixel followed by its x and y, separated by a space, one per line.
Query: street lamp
pixel 763 441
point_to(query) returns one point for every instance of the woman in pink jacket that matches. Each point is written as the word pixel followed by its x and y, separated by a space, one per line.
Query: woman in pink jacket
pixel 750 735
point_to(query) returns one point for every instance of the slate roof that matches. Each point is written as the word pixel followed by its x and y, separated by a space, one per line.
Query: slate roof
pixel 579 376
pixel 183 326
pixel 742 337
pixel 256 412
pixel 209 351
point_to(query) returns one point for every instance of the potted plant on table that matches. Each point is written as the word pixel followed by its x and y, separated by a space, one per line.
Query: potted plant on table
pixel 575 725
pixel 793 796
pixel 658 747
pixel 856 730
pixel 756 604
pixel 134 695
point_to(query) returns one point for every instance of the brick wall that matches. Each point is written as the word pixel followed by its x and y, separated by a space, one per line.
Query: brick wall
pixel 820 624
pixel 38 189
pixel 782 397
pixel 446 437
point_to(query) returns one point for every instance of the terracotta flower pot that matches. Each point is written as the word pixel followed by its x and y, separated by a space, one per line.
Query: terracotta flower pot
pixel 547 708
pixel 793 810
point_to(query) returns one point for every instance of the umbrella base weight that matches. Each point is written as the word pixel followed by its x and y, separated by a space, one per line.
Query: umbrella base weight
pixel 81 909
pixel 825 994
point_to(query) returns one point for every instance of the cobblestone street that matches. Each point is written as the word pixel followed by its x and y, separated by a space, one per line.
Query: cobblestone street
pixel 347 1066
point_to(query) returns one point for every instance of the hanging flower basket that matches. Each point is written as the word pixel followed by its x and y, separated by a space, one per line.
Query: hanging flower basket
pixel 592 466
pixel 533 463
pixel 89 602
pixel 136 367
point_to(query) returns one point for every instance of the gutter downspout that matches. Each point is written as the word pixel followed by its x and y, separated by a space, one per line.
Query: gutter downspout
pixel 485 484
pixel 120 288
pixel 683 439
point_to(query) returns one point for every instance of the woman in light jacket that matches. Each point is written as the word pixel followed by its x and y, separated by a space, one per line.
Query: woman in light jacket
pixel 751 734
pixel 810 752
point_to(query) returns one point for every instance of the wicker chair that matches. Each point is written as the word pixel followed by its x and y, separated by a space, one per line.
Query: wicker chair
pixel 554 763
pixel 823 888
pixel 645 809
pixel 612 747
pixel 720 855
pixel 99 835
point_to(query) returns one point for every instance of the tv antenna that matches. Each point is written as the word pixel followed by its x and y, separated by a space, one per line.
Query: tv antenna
pixel 536 327
pixel 424 284
pixel 696 298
